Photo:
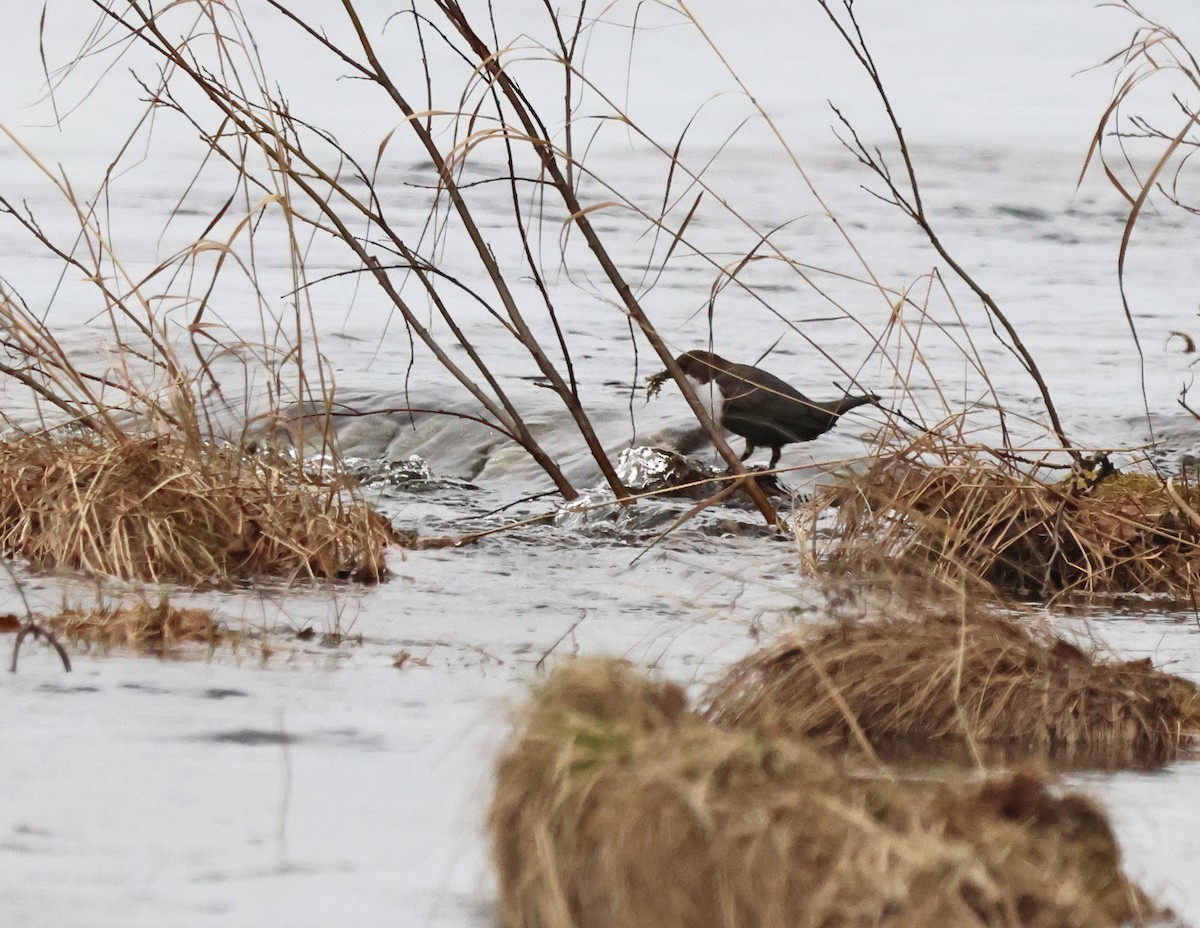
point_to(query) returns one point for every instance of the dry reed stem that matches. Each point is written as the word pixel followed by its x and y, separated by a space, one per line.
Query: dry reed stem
pixel 154 629
pixel 941 684
pixel 939 505
pixel 154 509
pixel 617 807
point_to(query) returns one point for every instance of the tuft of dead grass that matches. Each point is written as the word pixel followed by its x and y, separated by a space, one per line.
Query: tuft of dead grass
pixel 617 807
pixel 939 683
pixel 160 509
pixel 938 504
pixel 150 629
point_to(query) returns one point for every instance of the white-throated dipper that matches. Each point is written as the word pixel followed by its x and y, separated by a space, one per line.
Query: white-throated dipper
pixel 759 406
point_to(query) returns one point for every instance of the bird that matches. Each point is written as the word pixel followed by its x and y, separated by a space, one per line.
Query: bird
pixel 764 410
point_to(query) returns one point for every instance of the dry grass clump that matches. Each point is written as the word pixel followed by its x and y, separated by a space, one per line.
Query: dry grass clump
pixel 158 509
pixel 943 685
pixel 938 504
pixel 617 807
pixel 152 629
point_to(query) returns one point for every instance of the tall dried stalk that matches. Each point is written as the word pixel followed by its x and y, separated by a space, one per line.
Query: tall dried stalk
pixel 1155 55
pixel 327 200
pixel 904 192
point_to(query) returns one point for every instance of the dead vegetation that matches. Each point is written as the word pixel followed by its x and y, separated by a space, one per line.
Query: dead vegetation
pixel 933 682
pixel 160 509
pixel 1038 516
pixel 159 629
pixel 937 504
pixel 119 465
pixel 618 807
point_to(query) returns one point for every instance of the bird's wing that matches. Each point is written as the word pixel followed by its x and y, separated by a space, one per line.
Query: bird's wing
pixel 786 416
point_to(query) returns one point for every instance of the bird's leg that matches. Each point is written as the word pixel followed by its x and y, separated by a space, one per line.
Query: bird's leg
pixel 775 453
pixel 749 450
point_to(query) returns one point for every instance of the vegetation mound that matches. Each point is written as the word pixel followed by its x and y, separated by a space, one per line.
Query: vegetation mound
pixel 941 685
pixel 160 509
pixel 617 807
pixel 942 506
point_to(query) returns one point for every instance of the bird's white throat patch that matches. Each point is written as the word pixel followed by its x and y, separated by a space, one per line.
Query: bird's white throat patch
pixel 710 395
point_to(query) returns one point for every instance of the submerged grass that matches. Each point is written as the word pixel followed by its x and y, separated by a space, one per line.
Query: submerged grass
pixel 159 509
pixel 968 684
pixel 940 505
pixel 618 807
pixel 151 629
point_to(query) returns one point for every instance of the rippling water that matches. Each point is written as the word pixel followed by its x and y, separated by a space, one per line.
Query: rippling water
pixel 320 785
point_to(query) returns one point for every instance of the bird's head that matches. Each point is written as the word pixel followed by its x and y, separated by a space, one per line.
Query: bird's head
pixel 701 366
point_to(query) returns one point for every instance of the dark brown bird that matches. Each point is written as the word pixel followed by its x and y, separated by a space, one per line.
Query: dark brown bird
pixel 762 408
